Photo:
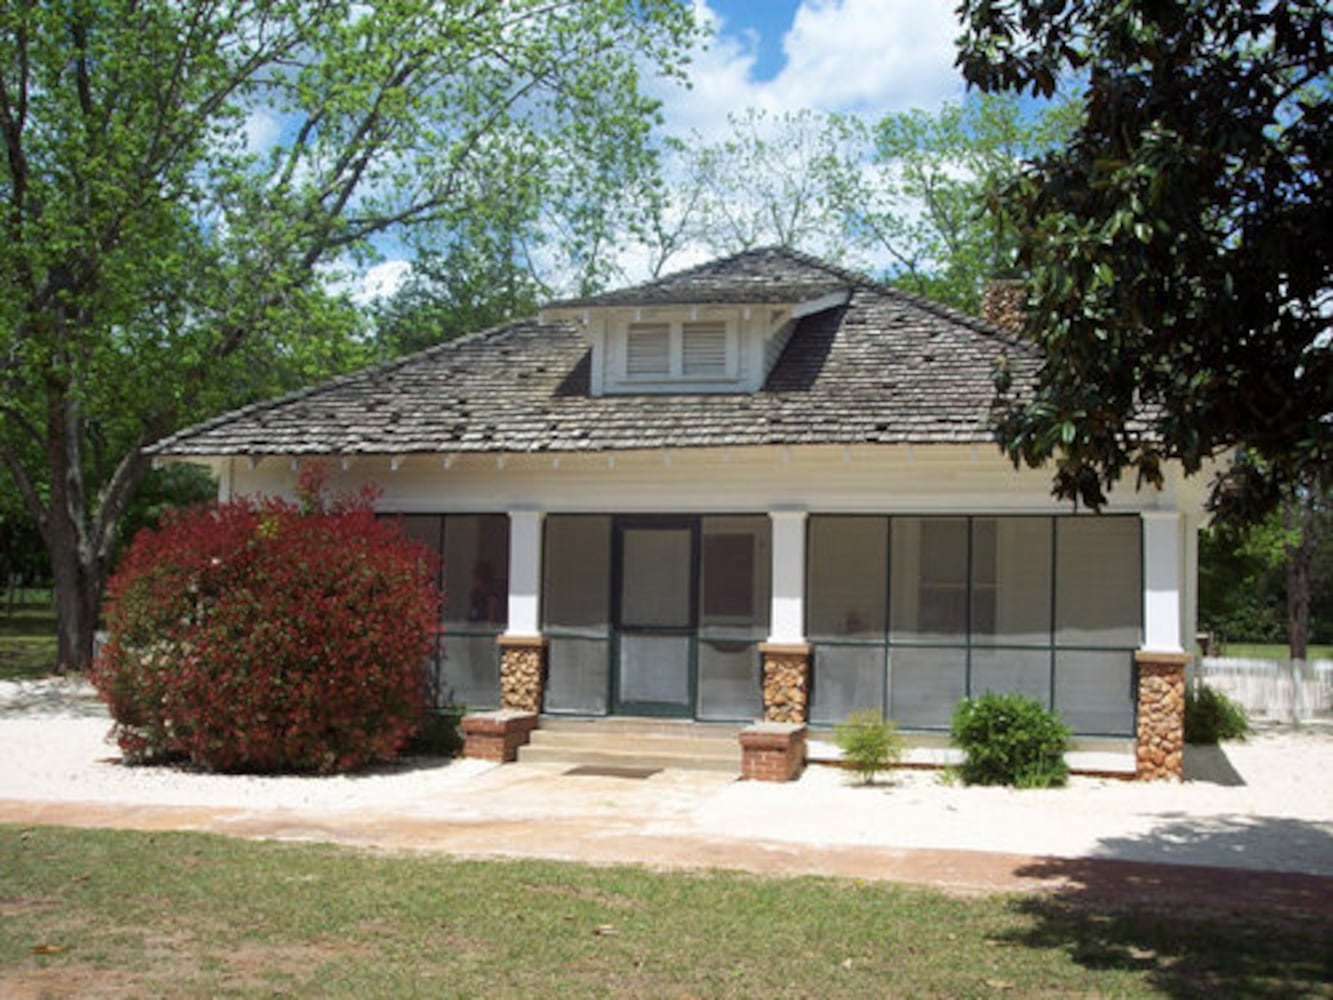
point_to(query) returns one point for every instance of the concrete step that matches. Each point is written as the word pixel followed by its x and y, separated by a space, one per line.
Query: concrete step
pixel 635 743
pixel 628 758
pixel 641 726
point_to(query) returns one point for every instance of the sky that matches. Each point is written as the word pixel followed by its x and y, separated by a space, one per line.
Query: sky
pixel 864 56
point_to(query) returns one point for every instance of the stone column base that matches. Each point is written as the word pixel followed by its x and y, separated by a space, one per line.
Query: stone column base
pixel 496 736
pixel 772 751
pixel 786 681
pixel 522 672
pixel 1159 747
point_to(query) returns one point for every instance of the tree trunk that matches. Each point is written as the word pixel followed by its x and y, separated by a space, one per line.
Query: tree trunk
pixel 1300 564
pixel 78 595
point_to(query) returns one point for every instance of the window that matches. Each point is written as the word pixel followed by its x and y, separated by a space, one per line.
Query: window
pixel 700 350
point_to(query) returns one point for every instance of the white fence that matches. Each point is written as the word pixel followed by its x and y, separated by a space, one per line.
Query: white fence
pixel 1267 689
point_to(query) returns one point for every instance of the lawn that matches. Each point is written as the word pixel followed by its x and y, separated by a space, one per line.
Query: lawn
pixel 1273 651
pixel 173 914
pixel 27 641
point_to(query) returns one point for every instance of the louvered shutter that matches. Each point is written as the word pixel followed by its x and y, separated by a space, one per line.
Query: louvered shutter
pixel 648 350
pixel 704 350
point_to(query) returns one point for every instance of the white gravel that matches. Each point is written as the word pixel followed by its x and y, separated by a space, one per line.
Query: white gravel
pixel 1262 804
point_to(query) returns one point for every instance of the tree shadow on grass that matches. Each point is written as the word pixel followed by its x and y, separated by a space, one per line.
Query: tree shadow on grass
pixel 1193 929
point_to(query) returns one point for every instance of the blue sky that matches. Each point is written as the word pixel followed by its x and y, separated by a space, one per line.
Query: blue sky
pixel 864 56
pixel 760 23
pixel 869 57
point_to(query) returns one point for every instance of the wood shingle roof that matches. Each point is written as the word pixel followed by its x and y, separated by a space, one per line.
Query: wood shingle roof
pixel 885 367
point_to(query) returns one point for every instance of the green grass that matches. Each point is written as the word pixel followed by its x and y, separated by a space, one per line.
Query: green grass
pixel 1272 651
pixel 186 915
pixel 27 641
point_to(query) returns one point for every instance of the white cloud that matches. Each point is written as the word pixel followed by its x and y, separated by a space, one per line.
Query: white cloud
pixel 867 56
pixel 263 128
pixel 382 280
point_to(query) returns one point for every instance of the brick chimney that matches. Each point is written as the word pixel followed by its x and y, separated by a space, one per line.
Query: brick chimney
pixel 1002 303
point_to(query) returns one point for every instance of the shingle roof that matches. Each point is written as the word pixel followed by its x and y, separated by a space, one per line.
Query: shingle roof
pixel 886 367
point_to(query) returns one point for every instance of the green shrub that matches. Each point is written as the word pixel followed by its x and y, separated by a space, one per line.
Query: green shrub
pixel 869 743
pixel 1010 739
pixel 440 735
pixel 1210 716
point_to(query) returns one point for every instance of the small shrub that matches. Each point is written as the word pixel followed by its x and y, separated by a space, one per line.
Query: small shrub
pixel 1210 716
pixel 440 734
pixel 262 635
pixel 869 743
pixel 1010 739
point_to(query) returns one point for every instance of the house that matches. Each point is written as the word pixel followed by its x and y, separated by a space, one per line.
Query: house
pixel 764 487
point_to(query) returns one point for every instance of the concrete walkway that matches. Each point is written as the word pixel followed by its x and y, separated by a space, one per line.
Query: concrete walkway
pixel 1251 826
pixel 819 826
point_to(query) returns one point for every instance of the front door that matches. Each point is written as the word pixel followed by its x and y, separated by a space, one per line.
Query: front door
pixel 656 561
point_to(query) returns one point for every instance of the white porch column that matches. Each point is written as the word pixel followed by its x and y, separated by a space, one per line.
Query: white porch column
pixel 1164 592
pixel 787 610
pixel 525 573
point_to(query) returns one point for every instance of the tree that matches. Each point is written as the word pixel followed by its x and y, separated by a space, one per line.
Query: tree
pixel 764 184
pixel 1177 245
pixel 184 183
pixel 908 194
pixel 923 191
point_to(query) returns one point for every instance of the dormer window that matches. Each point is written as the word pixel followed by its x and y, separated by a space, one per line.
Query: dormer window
pixel 685 350
pixel 695 345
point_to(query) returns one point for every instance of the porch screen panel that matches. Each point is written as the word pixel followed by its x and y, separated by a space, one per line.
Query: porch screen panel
pixel 476 605
pixel 471 670
pixel 576 675
pixel 642 678
pixel 1011 581
pixel 656 577
pixel 576 609
pixel 925 684
pixel 1094 690
pixel 1098 621
pixel 428 529
pixel 846 678
pixel 930 579
pixel 1099 582
pixel 1012 671
pixel 848 577
pixel 847 593
pixel 734 564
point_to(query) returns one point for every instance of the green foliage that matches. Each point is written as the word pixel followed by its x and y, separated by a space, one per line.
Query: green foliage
pixel 913 186
pixel 1177 245
pixel 1210 716
pixel 928 199
pixel 441 734
pixel 1242 581
pixel 1010 739
pixel 187 191
pixel 450 294
pixel 869 742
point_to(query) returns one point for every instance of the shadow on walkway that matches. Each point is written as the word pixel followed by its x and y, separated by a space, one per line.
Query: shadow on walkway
pixel 1196 930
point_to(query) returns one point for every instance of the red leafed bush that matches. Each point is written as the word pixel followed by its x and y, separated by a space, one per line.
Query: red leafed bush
pixel 261 635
